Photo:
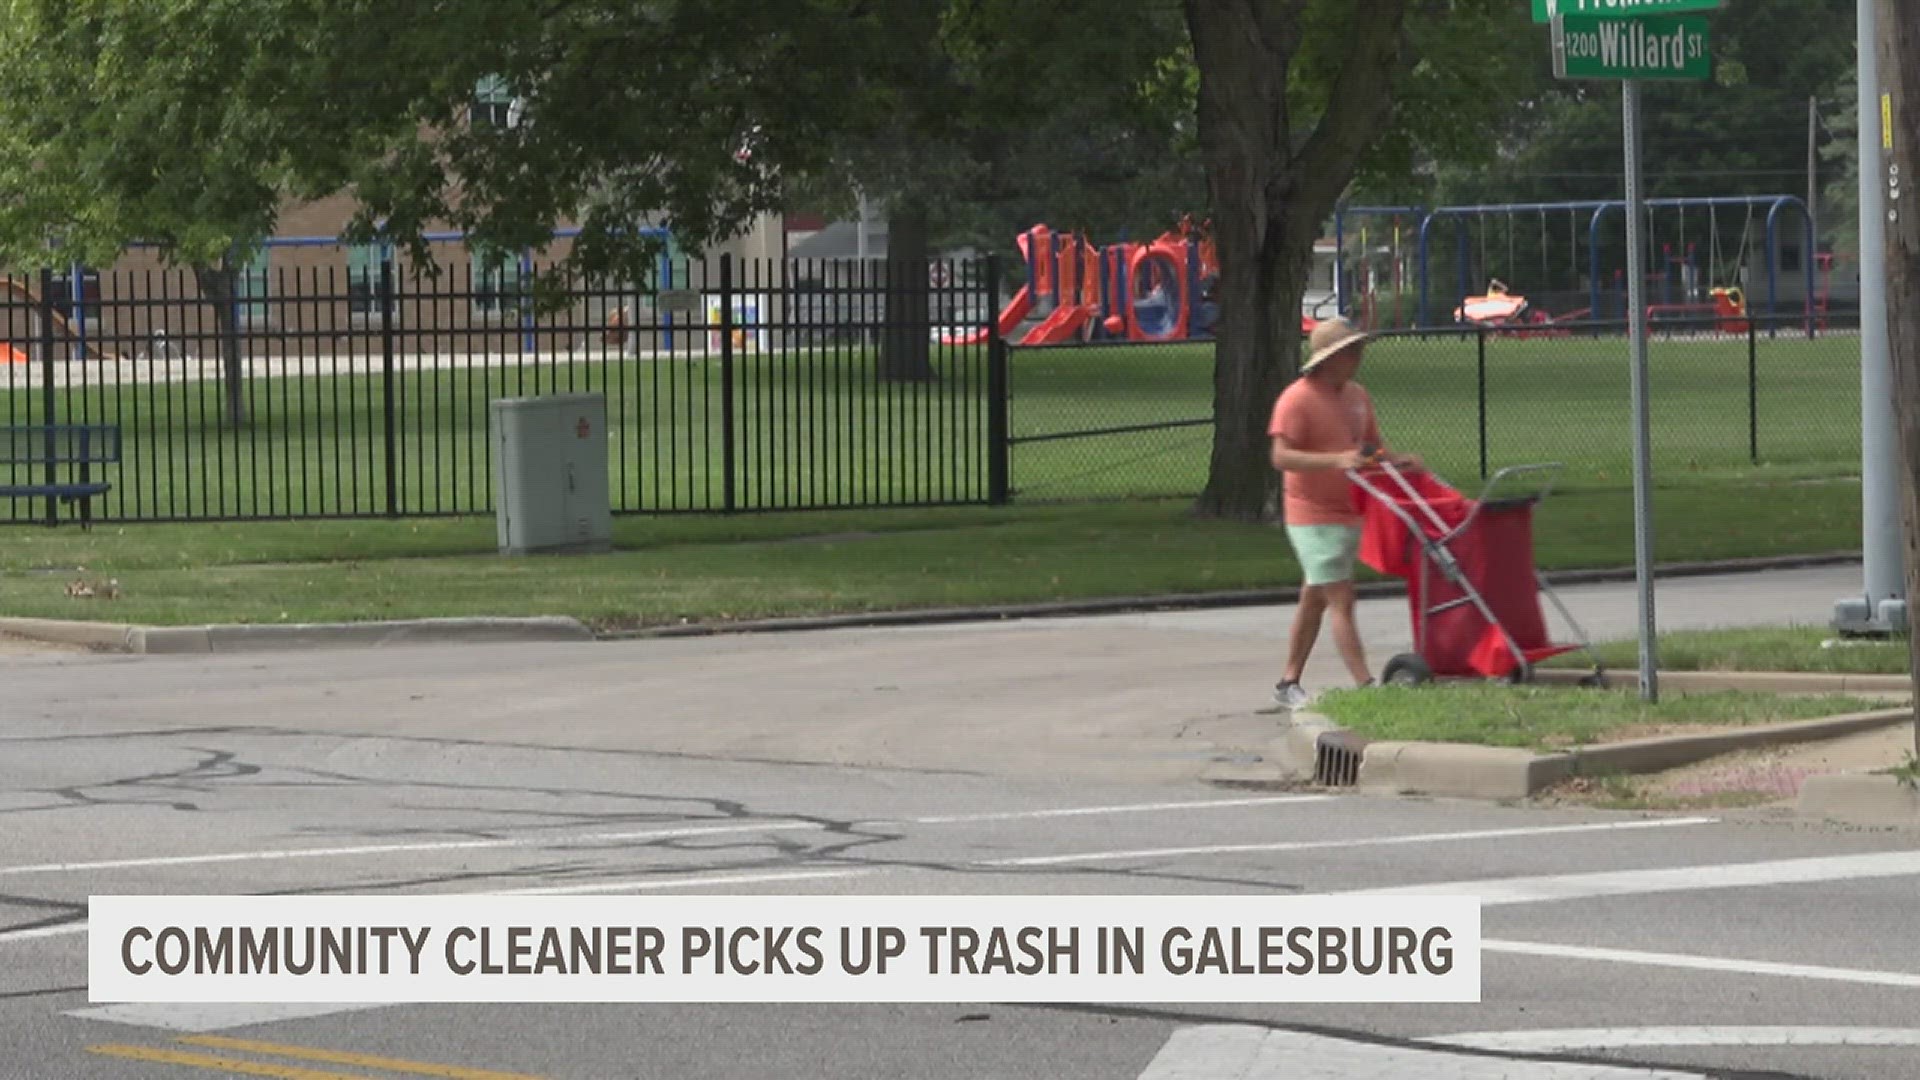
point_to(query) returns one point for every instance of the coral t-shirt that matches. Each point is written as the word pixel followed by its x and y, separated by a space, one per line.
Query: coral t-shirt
pixel 1319 419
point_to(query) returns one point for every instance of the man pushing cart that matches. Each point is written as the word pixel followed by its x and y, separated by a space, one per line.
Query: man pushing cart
pixel 1348 498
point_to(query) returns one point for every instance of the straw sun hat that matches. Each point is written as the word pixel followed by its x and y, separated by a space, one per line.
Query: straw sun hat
pixel 1329 339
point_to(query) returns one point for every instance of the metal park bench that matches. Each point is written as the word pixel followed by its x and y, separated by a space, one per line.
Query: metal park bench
pixel 45 448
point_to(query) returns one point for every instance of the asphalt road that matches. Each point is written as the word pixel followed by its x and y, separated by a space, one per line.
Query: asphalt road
pixel 1035 759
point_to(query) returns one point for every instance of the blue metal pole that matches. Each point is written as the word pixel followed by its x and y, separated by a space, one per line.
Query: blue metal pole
pixel 526 315
pixel 1466 264
pixel 76 293
pixel 1806 214
pixel 1593 259
pixel 1773 275
pixel 665 275
pixel 1426 226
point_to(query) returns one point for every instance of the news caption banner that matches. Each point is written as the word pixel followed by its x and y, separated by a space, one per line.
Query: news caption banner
pixel 767 949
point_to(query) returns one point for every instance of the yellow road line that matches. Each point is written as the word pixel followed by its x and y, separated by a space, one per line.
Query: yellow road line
pixel 341 1057
pixel 164 1056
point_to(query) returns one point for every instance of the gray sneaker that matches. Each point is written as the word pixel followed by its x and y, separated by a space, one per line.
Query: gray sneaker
pixel 1289 695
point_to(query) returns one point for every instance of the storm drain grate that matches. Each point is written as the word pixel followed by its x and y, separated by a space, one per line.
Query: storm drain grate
pixel 1336 758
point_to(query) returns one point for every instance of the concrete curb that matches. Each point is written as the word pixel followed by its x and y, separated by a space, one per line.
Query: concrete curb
pixel 242 638
pixel 1859 799
pixel 1775 682
pixel 1373 590
pixel 105 637
pixel 121 637
pixel 1461 770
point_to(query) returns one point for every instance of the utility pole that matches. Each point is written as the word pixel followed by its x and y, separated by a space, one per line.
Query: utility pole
pixel 1899 137
pixel 1813 177
pixel 1881 608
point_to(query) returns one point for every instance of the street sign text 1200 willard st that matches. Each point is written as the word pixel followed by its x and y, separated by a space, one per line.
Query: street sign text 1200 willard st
pixel 1618 49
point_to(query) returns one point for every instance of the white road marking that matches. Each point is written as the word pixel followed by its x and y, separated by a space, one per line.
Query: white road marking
pixel 562 839
pixel 1577 1039
pixel 1247 1052
pixel 1703 963
pixel 547 839
pixel 1533 890
pixel 1137 808
pixel 1374 841
pixel 1207 1052
pixel 663 882
pixel 201 1018
pixel 31 934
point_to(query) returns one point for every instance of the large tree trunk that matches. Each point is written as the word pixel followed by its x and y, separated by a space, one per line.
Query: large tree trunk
pixel 217 288
pixel 1900 68
pixel 1263 269
pixel 906 353
pixel 1271 189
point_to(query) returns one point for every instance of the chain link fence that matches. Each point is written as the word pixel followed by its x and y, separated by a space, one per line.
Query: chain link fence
pixel 1764 396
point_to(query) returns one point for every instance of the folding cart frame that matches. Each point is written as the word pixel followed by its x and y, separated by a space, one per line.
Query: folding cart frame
pixel 1412 669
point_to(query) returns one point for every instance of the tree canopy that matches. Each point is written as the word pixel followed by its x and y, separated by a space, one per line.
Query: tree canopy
pixel 191 122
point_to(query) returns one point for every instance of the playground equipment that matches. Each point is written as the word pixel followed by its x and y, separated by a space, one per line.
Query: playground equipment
pixel 1677 288
pixel 1161 290
pixel 74 329
pixel 1498 307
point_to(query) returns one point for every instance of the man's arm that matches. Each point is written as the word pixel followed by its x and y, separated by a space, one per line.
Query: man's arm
pixel 1287 459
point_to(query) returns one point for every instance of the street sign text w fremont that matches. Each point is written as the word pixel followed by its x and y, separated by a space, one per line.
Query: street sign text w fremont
pixel 1545 10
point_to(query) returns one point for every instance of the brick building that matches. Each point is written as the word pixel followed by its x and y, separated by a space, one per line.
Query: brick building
pixel 306 292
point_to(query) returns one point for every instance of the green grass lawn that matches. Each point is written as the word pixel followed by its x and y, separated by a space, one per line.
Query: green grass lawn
pixel 703 568
pixel 1781 648
pixel 1554 718
pixel 817 429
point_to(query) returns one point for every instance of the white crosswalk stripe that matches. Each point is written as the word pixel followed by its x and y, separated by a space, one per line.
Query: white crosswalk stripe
pixel 1246 1052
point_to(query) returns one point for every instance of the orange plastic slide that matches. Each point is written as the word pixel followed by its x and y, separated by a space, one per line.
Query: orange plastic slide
pixel 1063 324
pixel 1016 311
pixel 1010 319
pixel 59 321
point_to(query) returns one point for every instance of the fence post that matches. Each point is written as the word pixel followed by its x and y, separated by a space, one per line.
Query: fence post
pixel 1753 393
pixel 46 386
pixel 999 453
pixel 1480 334
pixel 727 496
pixel 387 387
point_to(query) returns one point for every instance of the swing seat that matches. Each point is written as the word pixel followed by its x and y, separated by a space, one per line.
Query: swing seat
pixel 1730 305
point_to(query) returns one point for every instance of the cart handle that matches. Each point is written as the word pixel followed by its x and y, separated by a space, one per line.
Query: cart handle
pixel 1448 535
pixel 1552 468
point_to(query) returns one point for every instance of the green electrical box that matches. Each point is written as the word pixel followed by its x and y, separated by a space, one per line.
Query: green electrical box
pixel 550 474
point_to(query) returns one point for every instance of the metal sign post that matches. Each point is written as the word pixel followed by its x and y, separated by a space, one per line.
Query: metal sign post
pixel 1632 41
pixel 1642 442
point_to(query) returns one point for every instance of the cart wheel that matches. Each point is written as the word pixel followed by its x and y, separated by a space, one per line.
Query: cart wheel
pixel 1521 675
pixel 1406 669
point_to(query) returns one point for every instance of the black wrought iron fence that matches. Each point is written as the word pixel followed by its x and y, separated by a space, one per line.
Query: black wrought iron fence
pixel 739 385
pixel 319 391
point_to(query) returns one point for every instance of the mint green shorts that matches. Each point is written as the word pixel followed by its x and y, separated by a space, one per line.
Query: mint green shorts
pixel 1326 552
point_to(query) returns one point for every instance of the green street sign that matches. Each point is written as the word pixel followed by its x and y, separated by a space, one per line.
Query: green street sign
pixel 1545 10
pixel 1619 49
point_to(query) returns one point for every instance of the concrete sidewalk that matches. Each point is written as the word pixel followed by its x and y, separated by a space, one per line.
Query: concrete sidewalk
pixel 1149 698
